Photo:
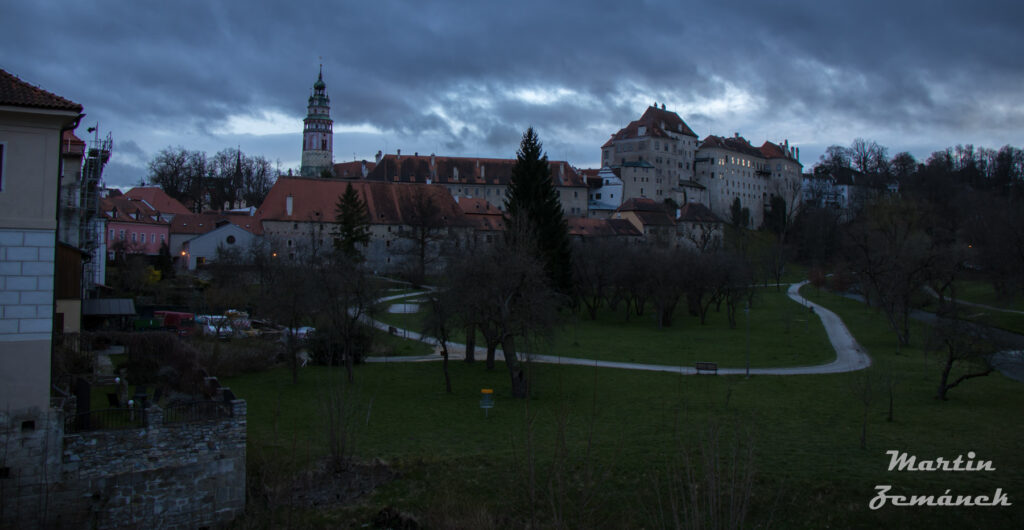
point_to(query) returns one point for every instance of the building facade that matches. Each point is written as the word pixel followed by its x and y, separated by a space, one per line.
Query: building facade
pixel 478 178
pixel 32 123
pixel 730 169
pixel 655 152
pixel 318 132
pixel 299 215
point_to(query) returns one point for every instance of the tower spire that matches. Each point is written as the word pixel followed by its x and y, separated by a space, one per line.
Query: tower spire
pixel 317 134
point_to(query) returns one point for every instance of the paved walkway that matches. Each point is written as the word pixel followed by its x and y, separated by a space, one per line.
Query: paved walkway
pixel 961 301
pixel 850 356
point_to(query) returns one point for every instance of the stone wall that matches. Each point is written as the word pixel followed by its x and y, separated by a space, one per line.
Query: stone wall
pixel 182 475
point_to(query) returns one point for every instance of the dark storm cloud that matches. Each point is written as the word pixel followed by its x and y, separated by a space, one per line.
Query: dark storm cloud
pixel 470 76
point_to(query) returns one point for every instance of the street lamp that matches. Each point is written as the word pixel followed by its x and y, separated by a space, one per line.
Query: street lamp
pixel 747 311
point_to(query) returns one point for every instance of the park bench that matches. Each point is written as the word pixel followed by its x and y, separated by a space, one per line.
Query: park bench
pixel 710 368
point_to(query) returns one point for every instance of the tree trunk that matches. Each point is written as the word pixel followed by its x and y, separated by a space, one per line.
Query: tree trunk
pixel 492 347
pixel 470 343
pixel 515 368
pixel 444 362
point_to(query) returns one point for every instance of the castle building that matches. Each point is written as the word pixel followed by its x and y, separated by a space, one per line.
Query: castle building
pixel 659 157
pixel 731 169
pixel 654 155
pixel 317 132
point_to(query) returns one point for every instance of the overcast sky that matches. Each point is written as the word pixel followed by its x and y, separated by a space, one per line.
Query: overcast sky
pixel 466 78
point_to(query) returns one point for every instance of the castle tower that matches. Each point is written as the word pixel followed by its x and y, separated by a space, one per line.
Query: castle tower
pixel 317 132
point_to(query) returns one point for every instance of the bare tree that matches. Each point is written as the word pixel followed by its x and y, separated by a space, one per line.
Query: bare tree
pixel 965 350
pixel 425 232
pixel 893 256
pixel 593 272
pixel 510 299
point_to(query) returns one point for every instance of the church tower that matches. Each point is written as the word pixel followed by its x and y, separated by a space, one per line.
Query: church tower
pixel 317 132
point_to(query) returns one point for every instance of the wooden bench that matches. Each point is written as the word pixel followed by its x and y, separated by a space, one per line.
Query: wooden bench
pixel 710 368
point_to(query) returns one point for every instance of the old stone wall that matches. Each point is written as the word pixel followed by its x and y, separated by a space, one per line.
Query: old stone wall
pixel 181 475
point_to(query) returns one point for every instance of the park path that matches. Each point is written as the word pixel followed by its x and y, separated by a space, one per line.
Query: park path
pixel 850 356
pixel 961 301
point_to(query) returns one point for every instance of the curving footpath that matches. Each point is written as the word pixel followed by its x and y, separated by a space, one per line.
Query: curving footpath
pixel 850 356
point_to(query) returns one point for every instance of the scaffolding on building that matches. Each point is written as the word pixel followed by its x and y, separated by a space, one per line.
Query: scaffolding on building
pixel 90 223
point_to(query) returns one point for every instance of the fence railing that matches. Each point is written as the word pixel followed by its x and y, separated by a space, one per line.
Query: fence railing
pixel 196 411
pixel 106 419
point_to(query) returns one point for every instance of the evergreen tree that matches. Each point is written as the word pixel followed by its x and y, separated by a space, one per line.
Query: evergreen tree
pixel 739 214
pixel 534 212
pixel 353 224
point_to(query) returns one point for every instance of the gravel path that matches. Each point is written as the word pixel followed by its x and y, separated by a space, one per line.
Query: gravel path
pixel 850 356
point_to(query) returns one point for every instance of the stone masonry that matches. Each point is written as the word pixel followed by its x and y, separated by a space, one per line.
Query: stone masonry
pixel 181 475
pixel 26 284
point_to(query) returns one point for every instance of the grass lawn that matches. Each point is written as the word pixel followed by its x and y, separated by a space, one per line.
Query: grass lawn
pixel 385 344
pixel 782 334
pixel 622 431
pixel 981 292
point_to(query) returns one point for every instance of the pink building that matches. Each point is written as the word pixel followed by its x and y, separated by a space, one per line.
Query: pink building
pixel 134 227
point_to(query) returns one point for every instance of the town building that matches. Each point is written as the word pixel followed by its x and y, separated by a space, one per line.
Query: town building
pixel 699 227
pixel 133 226
pixel 477 178
pixel 299 215
pixel 195 238
pixel 731 170
pixel 318 132
pixel 653 154
pixel 583 229
pixel 651 219
pixel 32 126
pixel 605 189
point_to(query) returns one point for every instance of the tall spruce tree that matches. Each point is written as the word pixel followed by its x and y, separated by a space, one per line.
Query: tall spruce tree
pixel 534 212
pixel 353 220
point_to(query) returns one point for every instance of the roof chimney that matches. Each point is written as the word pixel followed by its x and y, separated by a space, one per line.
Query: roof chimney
pixel 398 153
pixel 662 106
pixel 483 172
pixel 797 154
pixel 736 135
pixel 288 203
pixel 379 156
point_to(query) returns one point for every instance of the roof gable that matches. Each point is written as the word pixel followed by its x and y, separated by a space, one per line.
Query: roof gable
pixel 315 199
pixel 160 200
pixel 17 93
pixel 460 170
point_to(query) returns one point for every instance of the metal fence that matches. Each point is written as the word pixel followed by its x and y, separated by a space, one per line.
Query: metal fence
pixel 196 411
pixel 106 419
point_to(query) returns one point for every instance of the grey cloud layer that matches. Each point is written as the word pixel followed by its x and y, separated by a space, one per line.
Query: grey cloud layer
pixel 186 66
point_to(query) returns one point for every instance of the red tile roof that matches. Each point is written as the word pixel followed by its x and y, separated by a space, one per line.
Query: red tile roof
pixel 738 144
pixel 591 227
pixel 640 204
pixel 478 206
pixel 314 199
pixel 659 123
pixel 160 200
pixel 17 93
pixel 695 212
pixel 648 211
pixel 460 170
pixel 201 223
pixel 772 150
pixel 71 144
pixel 124 209
pixel 348 170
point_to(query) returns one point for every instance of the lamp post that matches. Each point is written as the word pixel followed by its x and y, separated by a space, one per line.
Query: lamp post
pixel 747 311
